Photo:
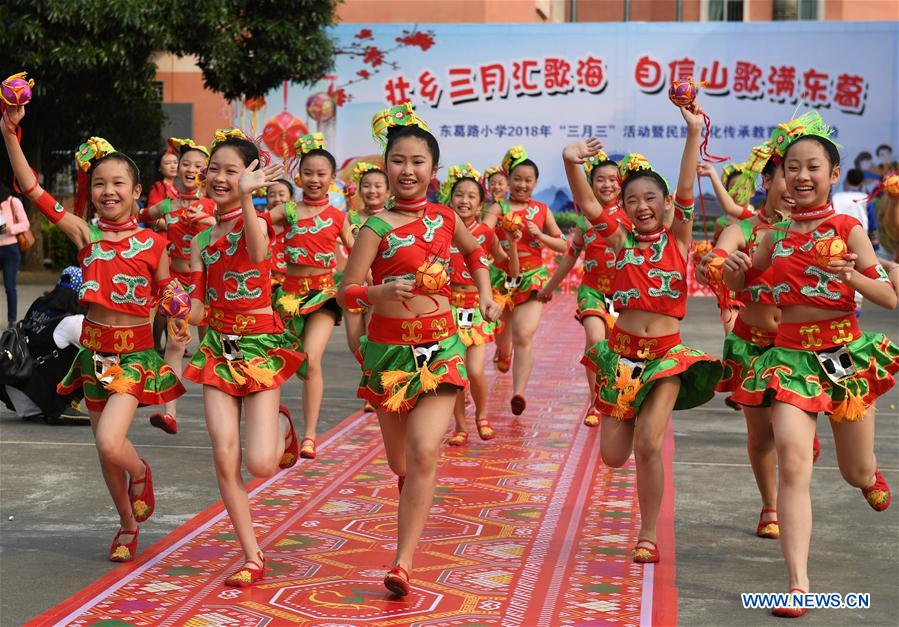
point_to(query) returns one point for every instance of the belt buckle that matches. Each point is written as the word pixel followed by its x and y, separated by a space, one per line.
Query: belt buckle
pixel 465 317
pixel 424 353
pixel 102 364
pixel 837 363
pixel 231 348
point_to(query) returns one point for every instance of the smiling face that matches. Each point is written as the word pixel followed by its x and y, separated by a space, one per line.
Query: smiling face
pixel 645 204
pixel 225 168
pixel 189 167
pixel 809 174
pixel 373 190
pixel 168 166
pixel 316 176
pixel 410 168
pixel 606 184
pixel 466 199
pixel 522 182
pixel 498 186
pixel 277 194
pixel 113 190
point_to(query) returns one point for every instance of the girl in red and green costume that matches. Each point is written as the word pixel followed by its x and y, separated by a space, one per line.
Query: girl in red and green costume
pixel 306 300
pixel 464 194
pixel 278 193
pixel 413 359
pixel 185 216
pixel 374 190
pixel 821 361
pixel 539 230
pixel 124 269
pixel 756 324
pixel 734 211
pixel 167 173
pixel 594 309
pixel 245 356
pixel 644 371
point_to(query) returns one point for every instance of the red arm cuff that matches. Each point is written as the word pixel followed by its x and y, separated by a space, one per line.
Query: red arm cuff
pixel 356 296
pixel 604 223
pixel 476 259
pixel 720 252
pixel 747 212
pixel 197 286
pixel 876 272
pixel 51 209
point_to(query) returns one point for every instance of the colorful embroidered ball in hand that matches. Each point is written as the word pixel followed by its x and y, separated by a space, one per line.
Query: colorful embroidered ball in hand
pixel 715 270
pixel 431 276
pixel 16 90
pixel 512 222
pixel 175 302
pixel 682 93
pixel 829 249
pixel 891 186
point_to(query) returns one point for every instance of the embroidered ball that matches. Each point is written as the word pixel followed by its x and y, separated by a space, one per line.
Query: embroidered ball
pixel 175 303
pixel 829 249
pixel 701 248
pixel 16 90
pixel 431 276
pixel 682 93
pixel 512 222
pixel 714 270
pixel 891 186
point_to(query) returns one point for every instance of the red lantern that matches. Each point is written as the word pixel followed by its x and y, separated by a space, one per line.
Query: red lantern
pixel 254 104
pixel 280 133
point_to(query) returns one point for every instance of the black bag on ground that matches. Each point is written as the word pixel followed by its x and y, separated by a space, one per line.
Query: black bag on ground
pixel 16 364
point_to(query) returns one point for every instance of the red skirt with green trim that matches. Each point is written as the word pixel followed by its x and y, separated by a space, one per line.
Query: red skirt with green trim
pixel 627 366
pixel 812 381
pixel 260 358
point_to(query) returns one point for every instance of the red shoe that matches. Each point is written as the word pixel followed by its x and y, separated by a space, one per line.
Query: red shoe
pixel 291 450
pixel 502 363
pixel 644 554
pixel 247 575
pixel 484 429
pixel 458 438
pixel 123 551
pixel 790 612
pixel 142 505
pixel 166 422
pixel 397 581
pixel 307 448
pixel 591 419
pixel 518 404
pixel 767 528
pixel 878 494
pixel 816 449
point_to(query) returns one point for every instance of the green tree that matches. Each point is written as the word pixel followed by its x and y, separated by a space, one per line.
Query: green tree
pixel 91 61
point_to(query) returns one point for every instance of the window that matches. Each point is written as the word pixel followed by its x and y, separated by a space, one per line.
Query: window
pixel 723 10
pixel 795 10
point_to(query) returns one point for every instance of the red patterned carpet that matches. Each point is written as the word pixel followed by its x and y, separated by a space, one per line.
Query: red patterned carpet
pixel 527 529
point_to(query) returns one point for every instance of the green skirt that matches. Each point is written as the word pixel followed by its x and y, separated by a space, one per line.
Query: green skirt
pixel 254 363
pixel 620 396
pixel 798 378
pixel 142 374
pixel 294 309
pixel 474 331
pixel 592 302
pixel 737 359
pixel 394 376
pixel 531 281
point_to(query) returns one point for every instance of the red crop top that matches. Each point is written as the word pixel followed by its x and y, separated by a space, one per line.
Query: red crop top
pixel 120 275
pixel 312 241
pixel 233 282
pixel 803 282
pixel 758 289
pixel 459 274
pixel 651 278
pixel 404 249
pixel 599 258
pixel 179 229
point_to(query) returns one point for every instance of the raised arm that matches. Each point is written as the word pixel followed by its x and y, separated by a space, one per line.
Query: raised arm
pixel 251 179
pixel 682 226
pixel 728 204
pixel 573 156
pixel 74 227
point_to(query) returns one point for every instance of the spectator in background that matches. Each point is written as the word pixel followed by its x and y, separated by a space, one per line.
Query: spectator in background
pixel 865 162
pixel 854 201
pixel 12 222
pixel 885 160
pixel 52 326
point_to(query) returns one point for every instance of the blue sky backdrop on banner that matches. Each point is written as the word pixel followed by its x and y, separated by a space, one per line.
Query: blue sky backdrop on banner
pixel 484 88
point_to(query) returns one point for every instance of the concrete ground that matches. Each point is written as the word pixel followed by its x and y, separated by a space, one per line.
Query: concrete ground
pixel 56 520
